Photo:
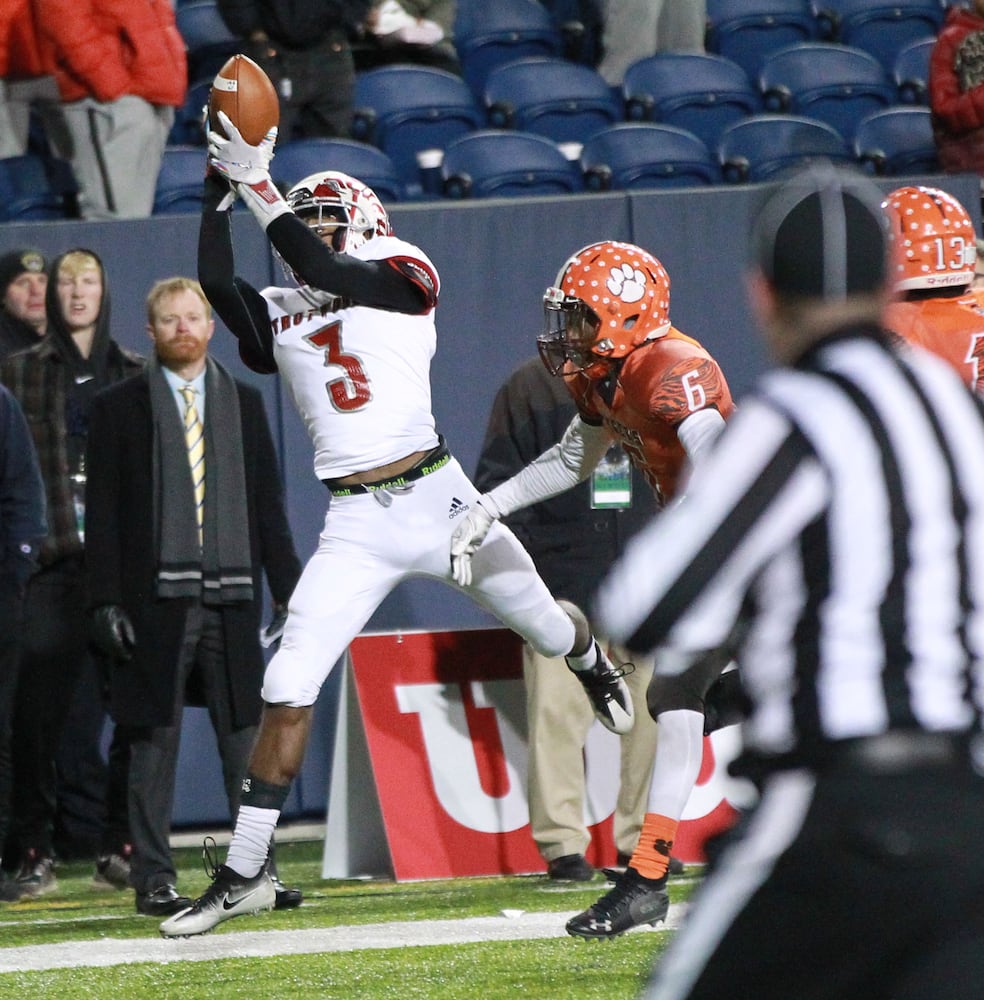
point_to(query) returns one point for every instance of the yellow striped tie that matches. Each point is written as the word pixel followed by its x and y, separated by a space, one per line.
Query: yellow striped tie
pixel 195 440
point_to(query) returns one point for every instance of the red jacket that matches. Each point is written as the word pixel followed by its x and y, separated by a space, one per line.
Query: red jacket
pixel 107 49
pixel 956 91
pixel 20 56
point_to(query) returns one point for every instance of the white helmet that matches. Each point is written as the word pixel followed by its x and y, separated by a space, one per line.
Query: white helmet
pixel 335 197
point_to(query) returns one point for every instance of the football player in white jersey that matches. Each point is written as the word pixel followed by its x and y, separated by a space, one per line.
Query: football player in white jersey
pixel 353 343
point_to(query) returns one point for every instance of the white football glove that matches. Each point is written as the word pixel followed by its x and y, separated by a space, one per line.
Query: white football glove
pixel 235 158
pixel 468 536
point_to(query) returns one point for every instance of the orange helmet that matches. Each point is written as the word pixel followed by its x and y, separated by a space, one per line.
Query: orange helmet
pixel 935 242
pixel 608 299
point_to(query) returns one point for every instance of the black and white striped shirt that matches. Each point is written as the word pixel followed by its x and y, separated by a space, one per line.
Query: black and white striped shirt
pixel 836 535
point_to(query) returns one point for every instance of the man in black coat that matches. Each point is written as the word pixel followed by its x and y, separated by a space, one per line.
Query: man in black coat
pixel 185 513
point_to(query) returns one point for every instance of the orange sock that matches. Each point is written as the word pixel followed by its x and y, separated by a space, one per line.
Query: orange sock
pixel 651 858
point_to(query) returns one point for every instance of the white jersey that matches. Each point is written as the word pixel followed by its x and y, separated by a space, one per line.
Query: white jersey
pixel 359 376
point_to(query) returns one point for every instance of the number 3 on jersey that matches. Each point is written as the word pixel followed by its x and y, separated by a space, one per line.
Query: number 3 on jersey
pixel 349 391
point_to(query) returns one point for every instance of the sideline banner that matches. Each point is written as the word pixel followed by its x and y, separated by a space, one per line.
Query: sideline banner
pixel 429 770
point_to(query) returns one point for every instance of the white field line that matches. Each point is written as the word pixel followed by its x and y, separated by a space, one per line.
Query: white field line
pixel 511 925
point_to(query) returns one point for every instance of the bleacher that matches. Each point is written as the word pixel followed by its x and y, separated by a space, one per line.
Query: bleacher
pixel 524 71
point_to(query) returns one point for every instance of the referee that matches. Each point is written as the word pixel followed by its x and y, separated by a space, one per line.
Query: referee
pixel 834 541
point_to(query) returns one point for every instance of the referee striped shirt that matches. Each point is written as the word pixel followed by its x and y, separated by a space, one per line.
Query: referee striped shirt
pixel 834 537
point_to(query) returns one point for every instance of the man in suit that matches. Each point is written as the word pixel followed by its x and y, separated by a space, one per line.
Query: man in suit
pixel 186 513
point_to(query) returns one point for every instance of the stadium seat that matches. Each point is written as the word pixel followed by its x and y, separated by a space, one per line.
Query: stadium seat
pixel 697 91
pixel 36 188
pixel 179 181
pixel 208 41
pixel 911 71
pixel 488 34
pixel 564 101
pixel 881 27
pixel 405 109
pixel 759 147
pixel 896 141
pixel 745 31
pixel 496 163
pixel 835 83
pixel 634 155
pixel 299 158
pixel 187 129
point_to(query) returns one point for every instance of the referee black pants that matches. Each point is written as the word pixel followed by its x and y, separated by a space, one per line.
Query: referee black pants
pixel 849 885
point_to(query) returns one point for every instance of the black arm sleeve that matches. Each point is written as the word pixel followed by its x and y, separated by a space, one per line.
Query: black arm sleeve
pixel 381 284
pixel 237 303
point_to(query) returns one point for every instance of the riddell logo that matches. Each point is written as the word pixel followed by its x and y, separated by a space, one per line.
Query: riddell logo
pixel 457 507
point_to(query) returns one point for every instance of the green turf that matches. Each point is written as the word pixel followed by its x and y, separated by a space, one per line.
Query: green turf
pixel 545 969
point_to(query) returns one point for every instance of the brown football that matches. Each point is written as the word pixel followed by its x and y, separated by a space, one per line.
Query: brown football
pixel 244 92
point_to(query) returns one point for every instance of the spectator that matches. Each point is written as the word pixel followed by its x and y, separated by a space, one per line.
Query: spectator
pixel 54 381
pixel 573 538
pixel 175 565
pixel 23 317
pixel 306 51
pixel 956 89
pixel 121 71
pixel 26 84
pixel 937 309
pixel 831 541
pixel 634 29
pixel 22 526
pixel 409 31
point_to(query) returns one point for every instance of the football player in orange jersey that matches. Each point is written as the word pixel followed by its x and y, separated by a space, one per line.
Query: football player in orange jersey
pixel 635 378
pixel 936 255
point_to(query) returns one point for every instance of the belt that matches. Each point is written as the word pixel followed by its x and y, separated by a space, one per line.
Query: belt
pixel 431 462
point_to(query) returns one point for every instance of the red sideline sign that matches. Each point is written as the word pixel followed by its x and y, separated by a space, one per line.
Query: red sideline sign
pixel 445 728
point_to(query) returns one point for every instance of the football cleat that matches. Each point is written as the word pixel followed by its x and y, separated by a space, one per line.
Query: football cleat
pixel 230 895
pixel 609 694
pixel 632 902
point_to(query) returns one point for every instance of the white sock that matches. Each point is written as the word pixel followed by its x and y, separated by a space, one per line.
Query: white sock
pixel 585 661
pixel 679 752
pixel 251 839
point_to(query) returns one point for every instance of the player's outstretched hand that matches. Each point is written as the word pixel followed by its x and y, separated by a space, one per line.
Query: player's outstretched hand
pixel 235 158
pixel 467 537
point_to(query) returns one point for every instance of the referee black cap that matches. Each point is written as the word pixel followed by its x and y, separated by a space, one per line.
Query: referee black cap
pixel 823 235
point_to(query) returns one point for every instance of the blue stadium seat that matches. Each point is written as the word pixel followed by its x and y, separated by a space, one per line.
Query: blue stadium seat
pixel 208 41
pixel 188 129
pixel 405 109
pixel 179 182
pixel 911 71
pixel 36 188
pixel 881 27
pixel 697 91
pixel 496 163
pixel 745 31
pixel 762 146
pixel 637 155
pixel 300 158
pixel 488 33
pixel 835 83
pixel 564 101
pixel 897 141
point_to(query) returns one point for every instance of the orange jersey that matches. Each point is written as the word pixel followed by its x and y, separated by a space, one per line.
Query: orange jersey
pixel 953 329
pixel 645 397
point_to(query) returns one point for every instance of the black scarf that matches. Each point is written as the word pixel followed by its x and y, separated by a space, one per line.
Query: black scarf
pixel 220 572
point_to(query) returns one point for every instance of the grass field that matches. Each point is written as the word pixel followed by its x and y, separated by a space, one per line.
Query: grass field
pixel 81 920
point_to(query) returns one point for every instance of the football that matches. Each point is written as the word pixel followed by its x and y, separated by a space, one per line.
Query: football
pixel 244 92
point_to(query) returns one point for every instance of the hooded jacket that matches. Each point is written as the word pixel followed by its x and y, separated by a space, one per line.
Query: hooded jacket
pixel 54 385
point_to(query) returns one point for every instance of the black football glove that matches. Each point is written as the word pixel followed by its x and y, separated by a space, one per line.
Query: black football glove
pixel 112 632
pixel 272 633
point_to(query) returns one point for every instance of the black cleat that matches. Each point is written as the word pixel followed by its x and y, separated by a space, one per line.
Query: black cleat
pixel 609 694
pixel 230 895
pixel 632 902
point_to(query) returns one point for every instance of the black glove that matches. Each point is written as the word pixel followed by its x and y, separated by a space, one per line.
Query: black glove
pixel 112 631
pixel 272 633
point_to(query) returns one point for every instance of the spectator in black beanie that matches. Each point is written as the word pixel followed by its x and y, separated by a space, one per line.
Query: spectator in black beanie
pixel 23 316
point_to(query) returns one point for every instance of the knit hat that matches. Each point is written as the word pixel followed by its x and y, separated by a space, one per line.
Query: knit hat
pixel 823 235
pixel 18 262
